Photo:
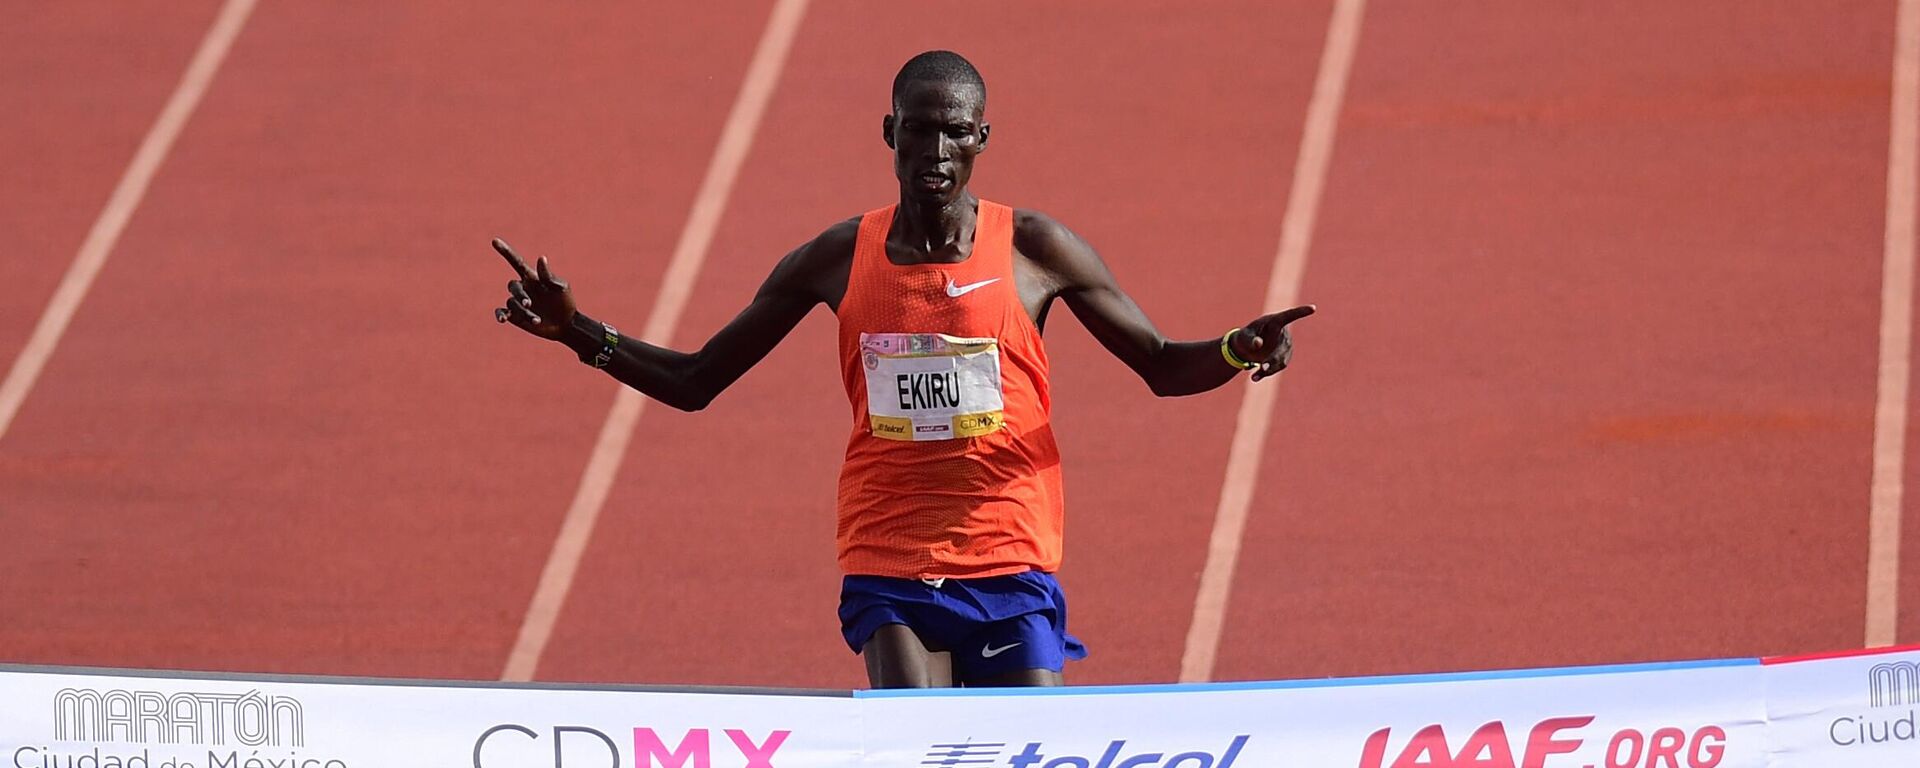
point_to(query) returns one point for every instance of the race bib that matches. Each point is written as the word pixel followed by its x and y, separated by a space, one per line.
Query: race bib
pixel 931 386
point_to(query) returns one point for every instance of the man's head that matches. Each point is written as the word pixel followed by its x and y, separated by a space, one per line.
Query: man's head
pixel 937 126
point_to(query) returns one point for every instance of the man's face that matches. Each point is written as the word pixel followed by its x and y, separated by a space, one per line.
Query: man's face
pixel 935 131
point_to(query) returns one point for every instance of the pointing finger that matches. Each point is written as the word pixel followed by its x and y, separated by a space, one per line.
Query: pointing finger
pixel 1291 315
pixel 506 251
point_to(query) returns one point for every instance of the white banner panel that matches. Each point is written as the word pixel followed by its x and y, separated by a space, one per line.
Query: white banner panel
pixel 1823 713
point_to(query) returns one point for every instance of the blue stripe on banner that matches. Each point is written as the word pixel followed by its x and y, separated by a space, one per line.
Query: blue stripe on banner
pixel 1332 682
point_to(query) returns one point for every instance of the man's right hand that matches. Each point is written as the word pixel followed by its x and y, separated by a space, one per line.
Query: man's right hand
pixel 538 302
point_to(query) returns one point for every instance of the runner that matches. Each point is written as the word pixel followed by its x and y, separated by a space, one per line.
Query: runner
pixel 949 501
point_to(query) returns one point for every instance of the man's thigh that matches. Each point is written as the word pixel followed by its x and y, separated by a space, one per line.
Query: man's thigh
pixel 898 658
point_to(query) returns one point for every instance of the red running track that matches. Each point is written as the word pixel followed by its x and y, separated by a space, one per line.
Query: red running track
pixel 1593 381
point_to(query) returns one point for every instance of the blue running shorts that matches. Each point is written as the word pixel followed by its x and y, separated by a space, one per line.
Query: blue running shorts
pixel 992 626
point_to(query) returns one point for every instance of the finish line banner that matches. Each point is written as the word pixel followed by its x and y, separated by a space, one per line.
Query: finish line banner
pixel 1832 712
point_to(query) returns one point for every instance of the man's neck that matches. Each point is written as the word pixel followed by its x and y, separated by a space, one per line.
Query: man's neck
pixel 930 228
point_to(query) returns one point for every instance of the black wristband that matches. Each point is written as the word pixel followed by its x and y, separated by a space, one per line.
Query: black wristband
pixel 609 341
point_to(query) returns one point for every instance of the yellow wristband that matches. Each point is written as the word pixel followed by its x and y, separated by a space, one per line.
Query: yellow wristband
pixel 1226 351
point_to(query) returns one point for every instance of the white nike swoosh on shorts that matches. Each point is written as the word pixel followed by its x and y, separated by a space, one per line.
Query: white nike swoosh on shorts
pixel 989 652
pixel 956 291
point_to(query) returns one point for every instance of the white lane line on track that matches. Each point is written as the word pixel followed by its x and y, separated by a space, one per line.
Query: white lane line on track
pixel 1896 334
pixel 736 137
pixel 125 199
pixel 1283 289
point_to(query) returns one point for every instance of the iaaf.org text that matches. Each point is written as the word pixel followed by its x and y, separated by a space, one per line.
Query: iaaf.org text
pixel 1489 747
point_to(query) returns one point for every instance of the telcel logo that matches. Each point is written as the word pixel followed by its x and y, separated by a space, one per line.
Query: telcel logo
pixel 577 746
pixel 1116 755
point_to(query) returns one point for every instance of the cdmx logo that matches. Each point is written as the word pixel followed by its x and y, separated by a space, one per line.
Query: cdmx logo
pixel 1116 755
pixel 1889 684
pixel 579 746
pixel 254 720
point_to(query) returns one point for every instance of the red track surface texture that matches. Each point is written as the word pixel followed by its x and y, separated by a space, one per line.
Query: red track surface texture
pixel 1593 379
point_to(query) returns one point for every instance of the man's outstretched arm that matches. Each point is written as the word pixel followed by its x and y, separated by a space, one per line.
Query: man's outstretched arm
pixel 542 304
pixel 1171 368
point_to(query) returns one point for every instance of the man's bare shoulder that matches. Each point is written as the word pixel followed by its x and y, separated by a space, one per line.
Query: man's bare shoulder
pixel 1055 249
pixel 833 247
pixel 838 239
pixel 1045 240
pixel 818 268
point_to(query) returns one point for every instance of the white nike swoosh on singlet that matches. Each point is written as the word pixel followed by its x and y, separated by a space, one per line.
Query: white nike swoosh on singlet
pixel 989 651
pixel 956 291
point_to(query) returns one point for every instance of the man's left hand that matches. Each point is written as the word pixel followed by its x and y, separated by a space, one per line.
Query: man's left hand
pixel 1268 341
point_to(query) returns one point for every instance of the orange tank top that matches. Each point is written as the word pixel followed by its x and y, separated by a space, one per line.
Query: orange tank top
pixel 951 470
